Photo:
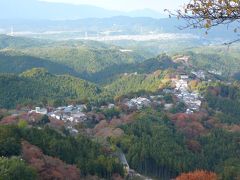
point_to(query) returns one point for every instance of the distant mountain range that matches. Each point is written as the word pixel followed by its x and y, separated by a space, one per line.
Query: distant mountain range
pixel 33 9
pixel 67 21
pixel 114 26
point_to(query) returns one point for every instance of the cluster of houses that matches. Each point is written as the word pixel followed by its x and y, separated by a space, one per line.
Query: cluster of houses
pixel 75 114
pixel 144 102
pixel 69 113
pixel 138 103
pixel 215 72
pixel 190 99
pixel 66 113
pixel 199 74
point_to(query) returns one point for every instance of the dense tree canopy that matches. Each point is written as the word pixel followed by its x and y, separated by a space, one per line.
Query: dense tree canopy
pixel 89 156
pixel 9 141
pixel 155 147
pixel 37 85
pixel 15 168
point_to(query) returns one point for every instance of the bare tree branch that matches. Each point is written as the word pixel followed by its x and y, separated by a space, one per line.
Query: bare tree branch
pixel 206 14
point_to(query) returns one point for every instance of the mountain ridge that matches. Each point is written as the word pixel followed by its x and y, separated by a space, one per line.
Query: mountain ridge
pixel 34 9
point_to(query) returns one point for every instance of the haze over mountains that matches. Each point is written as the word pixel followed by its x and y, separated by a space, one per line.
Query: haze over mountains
pixel 61 21
pixel 33 9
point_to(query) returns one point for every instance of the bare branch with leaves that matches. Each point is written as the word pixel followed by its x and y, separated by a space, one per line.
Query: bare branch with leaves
pixel 205 14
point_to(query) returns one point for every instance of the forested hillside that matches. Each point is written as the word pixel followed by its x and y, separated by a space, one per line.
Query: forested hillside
pixel 220 58
pixel 131 83
pixel 75 57
pixel 147 66
pixel 38 86
pixel 100 63
pixel 11 42
pixel 88 156
pixel 17 62
pixel 83 58
pixel 225 99
pixel 156 146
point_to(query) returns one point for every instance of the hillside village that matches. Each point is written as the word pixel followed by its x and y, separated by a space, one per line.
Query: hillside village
pixel 72 115
pixel 192 100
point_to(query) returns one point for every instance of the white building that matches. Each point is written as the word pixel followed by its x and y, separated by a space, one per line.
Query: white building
pixel 199 74
pixel 39 110
pixel 139 103
pixel 184 77
pixel 110 106
pixel 81 107
pixel 168 106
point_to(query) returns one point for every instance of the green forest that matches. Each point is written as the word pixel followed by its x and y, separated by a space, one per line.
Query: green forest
pixel 87 155
pixel 155 147
pixel 38 86
pixel 161 140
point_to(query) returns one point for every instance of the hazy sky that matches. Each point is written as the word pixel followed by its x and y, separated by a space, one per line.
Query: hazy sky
pixel 128 5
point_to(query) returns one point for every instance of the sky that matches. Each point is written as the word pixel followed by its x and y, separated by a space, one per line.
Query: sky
pixel 129 5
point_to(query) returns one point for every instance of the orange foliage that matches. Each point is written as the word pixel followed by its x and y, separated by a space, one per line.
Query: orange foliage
pixel 9 120
pixel 198 175
pixel 47 167
pixel 191 124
